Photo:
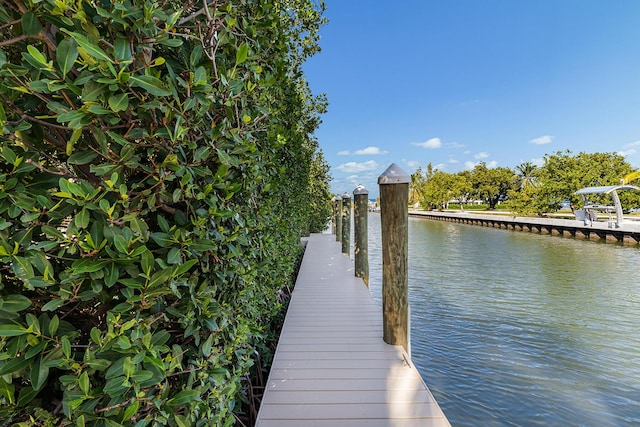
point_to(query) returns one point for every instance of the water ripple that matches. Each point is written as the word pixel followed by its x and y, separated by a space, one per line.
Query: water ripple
pixel 514 328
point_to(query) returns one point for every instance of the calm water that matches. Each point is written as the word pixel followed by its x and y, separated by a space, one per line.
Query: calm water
pixel 517 329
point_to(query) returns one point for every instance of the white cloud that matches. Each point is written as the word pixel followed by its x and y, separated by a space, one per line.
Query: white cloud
pixel 431 143
pixel 633 144
pixel 467 152
pixel 470 165
pixel 538 161
pixel 453 161
pixel 544 139
pixel 455 145
pixel 414 164
pixel 481 155
pixel 627 152
pixel 354 167
pixel 369 151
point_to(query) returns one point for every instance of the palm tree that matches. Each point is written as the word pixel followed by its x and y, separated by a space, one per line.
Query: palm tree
pixel 528 174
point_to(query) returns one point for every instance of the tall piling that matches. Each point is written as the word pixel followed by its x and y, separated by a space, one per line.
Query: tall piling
pixel 346 224
pixel 394 218
pixel 360 232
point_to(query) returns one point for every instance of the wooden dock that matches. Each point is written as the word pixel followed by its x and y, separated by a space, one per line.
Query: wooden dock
pixel 331 367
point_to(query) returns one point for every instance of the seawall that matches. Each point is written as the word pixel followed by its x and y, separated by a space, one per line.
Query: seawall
pixel 605 230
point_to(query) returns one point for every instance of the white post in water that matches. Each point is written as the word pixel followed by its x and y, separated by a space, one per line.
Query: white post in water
pixel 360 232
pixel 394 217
pixel 346 224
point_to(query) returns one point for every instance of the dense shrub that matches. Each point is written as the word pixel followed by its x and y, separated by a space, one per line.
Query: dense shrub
pixel 155 175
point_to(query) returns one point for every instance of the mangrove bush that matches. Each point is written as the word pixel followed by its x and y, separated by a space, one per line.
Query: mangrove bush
pixel 157 167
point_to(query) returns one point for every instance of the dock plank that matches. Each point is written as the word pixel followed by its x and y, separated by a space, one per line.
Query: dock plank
pixel 331 366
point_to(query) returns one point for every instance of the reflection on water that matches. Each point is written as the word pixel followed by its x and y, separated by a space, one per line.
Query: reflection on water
pixel 515 328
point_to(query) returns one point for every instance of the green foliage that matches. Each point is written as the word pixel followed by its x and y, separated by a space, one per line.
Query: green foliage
pixel 563 174
pixel 319 194
pixel 437 190
pixel 530 190
pixel 156 170
pixel 492 184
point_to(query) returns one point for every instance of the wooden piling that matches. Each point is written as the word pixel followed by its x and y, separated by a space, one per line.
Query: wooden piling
pixel 338 218
pixel 334 207
pixel 394 218
pixel 361 238
pixel 346 224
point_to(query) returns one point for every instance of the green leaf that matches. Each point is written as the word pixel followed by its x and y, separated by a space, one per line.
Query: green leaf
pixel 66 55
pixel 122 49
pixel 12 330
pixel 53 325
pixel 39 374
pixel 14 303
pixel 66 346
pixel 174 257
pixel 82 157
pixel 172 42
pixel 160 277
pixel 119 102
pixel 52 305
pixel 151 84
pixel 241 54
pixel 99 110
pixel 30 24
pixel 22 268
pixel 98 364
pixel 82 218
pixel 130 411
pixel 91 46
pixel 14 365
pixel 86 265
pixel 35 350
pixel 84 383
pixel 37 55
pixel 185 396
pixel 185 267
pixel 224 158
pixel 7 390
pixel 206 346
pixel 121 243
pixel 26 395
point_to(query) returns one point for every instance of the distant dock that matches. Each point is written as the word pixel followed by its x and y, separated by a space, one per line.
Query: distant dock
pixel 332 367
pixel 628 232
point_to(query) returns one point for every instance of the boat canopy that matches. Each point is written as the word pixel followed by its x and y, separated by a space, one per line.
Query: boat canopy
pixel 607 189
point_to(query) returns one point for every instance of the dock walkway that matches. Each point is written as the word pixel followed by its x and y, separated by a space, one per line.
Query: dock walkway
pixel 331 366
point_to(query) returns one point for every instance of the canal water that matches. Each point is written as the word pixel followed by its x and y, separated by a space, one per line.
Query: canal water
pixel 514 328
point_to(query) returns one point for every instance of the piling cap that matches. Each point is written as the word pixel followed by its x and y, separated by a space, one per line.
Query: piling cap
pixel 394 175
pixel 360 190
pixel 346 195
pixel 336 198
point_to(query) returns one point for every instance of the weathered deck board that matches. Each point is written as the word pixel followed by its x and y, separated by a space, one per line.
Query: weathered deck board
pixel 331 366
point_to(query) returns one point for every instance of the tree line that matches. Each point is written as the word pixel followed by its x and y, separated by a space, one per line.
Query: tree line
pixel 157 169
pixel 527 189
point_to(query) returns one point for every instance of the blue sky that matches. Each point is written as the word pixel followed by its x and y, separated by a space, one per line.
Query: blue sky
pixel 456 82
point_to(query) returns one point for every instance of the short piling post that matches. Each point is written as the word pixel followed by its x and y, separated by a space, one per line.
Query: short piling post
pixel 360 231
pixel 338 200
pixel 394 218
pixel 346 224
pixel 334 215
